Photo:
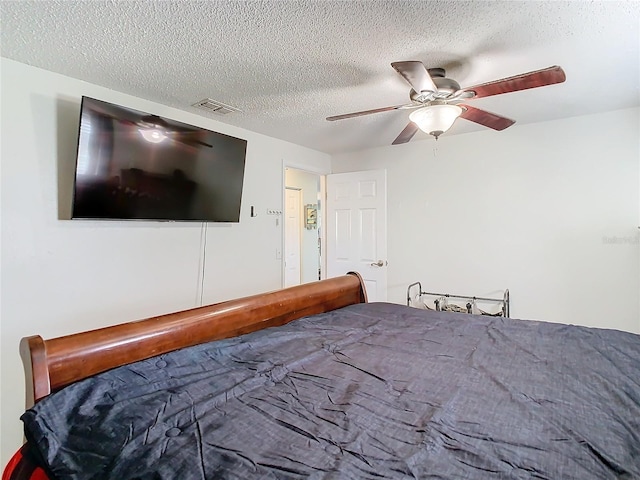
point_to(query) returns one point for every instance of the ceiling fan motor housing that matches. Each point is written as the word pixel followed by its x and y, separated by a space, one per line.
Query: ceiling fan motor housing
pixel 445 87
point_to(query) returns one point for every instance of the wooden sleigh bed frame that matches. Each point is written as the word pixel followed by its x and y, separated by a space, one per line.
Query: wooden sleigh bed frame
pixel 53 364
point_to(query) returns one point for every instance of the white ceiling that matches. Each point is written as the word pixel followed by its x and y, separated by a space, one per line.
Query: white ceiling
pixel 287 65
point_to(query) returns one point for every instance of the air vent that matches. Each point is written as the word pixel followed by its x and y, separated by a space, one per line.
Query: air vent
pixel 213 106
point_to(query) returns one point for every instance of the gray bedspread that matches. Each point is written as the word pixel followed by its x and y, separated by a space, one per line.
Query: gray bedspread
pixel 371 391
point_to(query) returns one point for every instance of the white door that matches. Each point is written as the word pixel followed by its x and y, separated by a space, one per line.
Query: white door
pixel 357 228
pixel 292 231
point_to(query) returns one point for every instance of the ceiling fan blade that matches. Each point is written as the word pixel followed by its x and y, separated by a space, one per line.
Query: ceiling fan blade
pixel 190 142
pixel 368 112
pixel 539 78
pixel 406 134
pixel 187 138
pixel 416 75
pixel 124 121
pixel 485 118
pixel 204 144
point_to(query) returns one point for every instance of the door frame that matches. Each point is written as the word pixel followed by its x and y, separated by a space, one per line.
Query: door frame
pixel 322 173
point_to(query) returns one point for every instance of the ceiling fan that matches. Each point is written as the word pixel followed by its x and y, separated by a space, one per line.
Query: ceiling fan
pixel 155 129
pixel 439 100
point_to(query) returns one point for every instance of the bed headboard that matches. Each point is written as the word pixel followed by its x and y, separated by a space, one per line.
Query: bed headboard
pixel 52 364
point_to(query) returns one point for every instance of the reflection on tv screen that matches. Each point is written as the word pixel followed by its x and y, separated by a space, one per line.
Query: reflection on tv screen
pixel 132 165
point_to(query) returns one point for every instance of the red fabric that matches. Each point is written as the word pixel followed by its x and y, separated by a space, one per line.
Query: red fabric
pixel 20 468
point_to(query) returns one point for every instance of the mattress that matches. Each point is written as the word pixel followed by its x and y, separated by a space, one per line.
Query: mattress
pixel 369 391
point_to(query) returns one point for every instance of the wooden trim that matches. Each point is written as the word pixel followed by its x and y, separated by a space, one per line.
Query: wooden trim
pixel 55 363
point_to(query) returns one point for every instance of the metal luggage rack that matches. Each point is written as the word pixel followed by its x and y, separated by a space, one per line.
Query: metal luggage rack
pixel 504 301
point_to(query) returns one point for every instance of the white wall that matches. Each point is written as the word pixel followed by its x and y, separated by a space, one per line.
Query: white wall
pixel 548 210
pixel 62 276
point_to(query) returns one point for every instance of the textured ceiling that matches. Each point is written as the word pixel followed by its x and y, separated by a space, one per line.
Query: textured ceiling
pixel 289 64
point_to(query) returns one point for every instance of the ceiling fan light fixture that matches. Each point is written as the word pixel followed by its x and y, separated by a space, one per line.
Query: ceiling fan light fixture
pixel 153 135
pixel 436 119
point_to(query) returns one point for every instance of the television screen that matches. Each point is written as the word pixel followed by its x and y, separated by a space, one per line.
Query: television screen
pixel 135 166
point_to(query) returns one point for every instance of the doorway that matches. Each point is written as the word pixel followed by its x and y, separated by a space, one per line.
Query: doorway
pixel 292 236
pixel 302 235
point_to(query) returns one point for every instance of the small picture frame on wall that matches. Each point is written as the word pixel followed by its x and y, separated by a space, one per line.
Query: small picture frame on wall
pixel 310 216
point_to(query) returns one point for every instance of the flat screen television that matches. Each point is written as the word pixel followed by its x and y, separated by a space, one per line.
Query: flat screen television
pixel 135 166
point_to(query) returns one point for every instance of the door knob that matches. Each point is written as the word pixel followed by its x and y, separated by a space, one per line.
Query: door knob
pixel 379 263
